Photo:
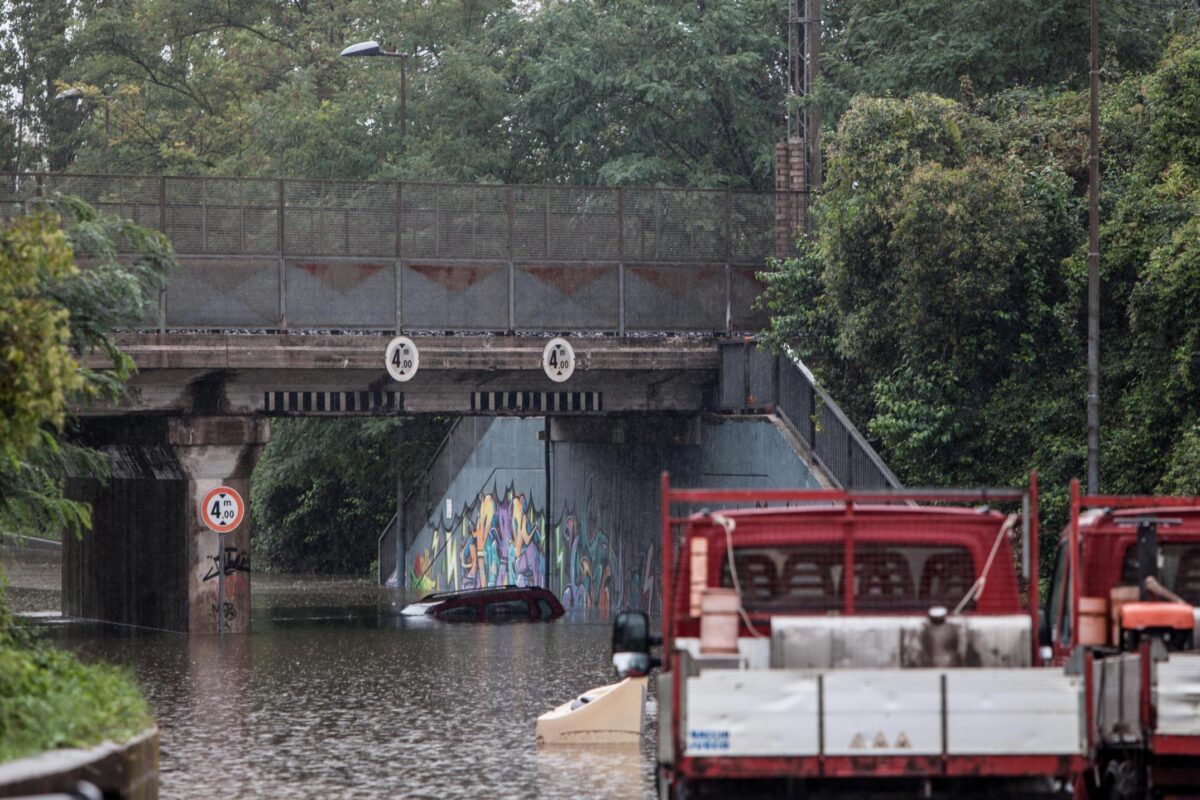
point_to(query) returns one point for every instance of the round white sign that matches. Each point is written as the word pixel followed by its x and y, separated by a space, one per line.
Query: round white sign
pixel 401 358
pixel 558 359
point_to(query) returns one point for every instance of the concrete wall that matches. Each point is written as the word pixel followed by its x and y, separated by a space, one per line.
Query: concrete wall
pixel 148 559
pixel 600 543
pixel 505 473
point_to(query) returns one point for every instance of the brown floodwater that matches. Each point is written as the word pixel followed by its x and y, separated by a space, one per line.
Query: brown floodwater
pixel 335 695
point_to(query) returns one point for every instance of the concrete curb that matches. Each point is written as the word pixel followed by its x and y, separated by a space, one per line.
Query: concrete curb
pixel 13 542
pixel 128 771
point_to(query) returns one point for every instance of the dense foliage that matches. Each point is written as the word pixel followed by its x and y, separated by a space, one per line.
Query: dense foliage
pixel 888 48
pixel 52 315
pixel 325 489
pixel 570 91
pixel 943 298
pixel 595 92
pixel 37 372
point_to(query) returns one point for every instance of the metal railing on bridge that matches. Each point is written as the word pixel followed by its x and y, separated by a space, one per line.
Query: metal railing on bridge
pixel 285 254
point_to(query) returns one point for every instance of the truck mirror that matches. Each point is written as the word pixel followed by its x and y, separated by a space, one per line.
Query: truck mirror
pixel 1043 633
pixel 631 644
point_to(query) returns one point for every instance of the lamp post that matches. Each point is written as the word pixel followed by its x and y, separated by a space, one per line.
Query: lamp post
pixel 78 94
pixel 372 48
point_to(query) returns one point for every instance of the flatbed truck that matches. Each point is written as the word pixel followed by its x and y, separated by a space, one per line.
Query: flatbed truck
pixel 874 641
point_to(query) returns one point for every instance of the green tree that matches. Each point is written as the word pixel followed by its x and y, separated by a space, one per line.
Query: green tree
pixel 52 315
pixel 890 48
pixel 37 370
pixel 936 286
pixel 325 489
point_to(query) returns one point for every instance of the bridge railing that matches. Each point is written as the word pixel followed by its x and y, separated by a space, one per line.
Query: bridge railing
pixel 316 254
pixel 754 379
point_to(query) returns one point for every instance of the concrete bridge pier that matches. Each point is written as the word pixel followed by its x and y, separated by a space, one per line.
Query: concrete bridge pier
pixel 148 559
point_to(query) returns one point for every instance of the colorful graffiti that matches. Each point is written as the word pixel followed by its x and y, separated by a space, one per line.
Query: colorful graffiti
pixel 594 572
pixel 500 538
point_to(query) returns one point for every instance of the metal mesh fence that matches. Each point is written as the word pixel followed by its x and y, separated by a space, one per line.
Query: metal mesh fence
pixel 470 257
pixel 339 218
pixel 250 216
pixel 17 192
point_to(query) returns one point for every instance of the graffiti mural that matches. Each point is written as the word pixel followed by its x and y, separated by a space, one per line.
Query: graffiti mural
pixel 500 538
pixel 497 540
pixel 597 568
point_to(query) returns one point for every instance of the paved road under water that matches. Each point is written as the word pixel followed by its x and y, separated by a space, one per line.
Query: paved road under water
pixel 334 695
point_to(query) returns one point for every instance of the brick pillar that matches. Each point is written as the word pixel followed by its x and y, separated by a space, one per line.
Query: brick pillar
pixel 791 207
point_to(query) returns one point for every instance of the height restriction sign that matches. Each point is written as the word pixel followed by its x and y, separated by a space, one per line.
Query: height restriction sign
pixel 401 359
pixel 222 509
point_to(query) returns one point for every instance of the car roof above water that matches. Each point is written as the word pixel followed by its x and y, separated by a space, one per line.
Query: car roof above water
pixel 436 596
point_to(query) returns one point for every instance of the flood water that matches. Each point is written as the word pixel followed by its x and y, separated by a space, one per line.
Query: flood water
pixel 335 695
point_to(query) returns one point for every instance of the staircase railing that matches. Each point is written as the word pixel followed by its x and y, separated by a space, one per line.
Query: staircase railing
pixel 421 500
pixel 753 379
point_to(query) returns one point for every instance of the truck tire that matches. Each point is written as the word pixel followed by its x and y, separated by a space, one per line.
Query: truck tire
pixel 1123 780
pixel 672 790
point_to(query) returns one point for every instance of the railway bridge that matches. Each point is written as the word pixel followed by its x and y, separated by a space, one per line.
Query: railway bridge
pixel 289 294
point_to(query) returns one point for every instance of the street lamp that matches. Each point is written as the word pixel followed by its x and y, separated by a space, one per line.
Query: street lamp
pixel 77 94
pixel 372 48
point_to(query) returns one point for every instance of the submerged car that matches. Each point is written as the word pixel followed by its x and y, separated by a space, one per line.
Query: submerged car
pixel 494 604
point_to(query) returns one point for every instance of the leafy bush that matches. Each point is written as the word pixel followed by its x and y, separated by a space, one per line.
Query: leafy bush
pixel 50 699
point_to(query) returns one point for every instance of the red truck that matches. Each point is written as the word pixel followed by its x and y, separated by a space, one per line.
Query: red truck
pixel 1121 611
pixel 920 674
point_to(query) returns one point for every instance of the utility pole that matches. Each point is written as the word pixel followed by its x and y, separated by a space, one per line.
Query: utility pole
pixel 812 71
pixel 804 67
pixel 1093 295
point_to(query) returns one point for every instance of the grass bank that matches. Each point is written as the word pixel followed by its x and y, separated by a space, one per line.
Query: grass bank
pixel 49 699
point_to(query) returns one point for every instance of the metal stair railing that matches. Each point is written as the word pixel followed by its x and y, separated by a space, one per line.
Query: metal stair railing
pixel 758 380
pixel 421 501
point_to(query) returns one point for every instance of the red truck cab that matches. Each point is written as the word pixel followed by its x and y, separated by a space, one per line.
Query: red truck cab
pixel 1128 623
pixel 854 640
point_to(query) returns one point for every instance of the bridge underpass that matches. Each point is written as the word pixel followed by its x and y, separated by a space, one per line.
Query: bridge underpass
pixel 288 295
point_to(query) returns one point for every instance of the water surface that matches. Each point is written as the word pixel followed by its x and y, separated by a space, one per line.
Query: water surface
pixel 334 695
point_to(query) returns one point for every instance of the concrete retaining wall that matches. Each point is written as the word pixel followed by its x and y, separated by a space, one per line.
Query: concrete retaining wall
pixel 128 771
pixel 599 546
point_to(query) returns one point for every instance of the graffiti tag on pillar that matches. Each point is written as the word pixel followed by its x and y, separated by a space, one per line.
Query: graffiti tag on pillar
pixel 235 561
pixel 222 509
pixel 230 612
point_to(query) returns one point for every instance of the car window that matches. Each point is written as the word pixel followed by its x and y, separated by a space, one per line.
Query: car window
pixel 507 610
pixel 460 614
pixel 544 610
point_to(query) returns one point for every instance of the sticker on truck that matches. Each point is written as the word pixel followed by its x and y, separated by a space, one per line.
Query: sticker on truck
pixel 708 740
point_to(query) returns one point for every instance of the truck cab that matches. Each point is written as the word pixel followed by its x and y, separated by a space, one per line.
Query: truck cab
pixel 1130 621
pixel 856 639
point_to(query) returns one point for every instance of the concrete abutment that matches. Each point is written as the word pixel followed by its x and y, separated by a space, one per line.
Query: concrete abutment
pixel 580 512
pixel 148 559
